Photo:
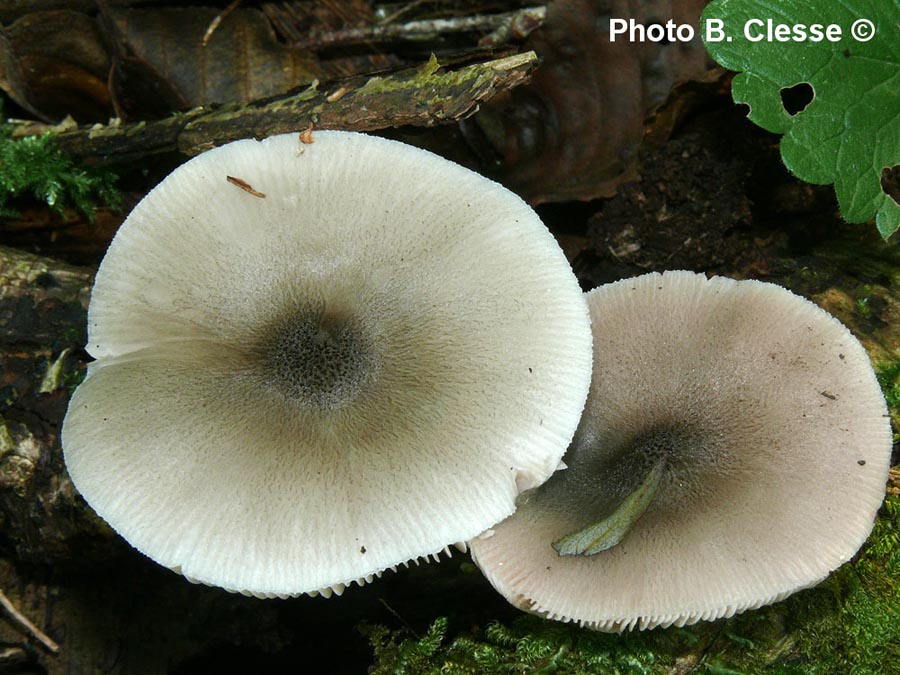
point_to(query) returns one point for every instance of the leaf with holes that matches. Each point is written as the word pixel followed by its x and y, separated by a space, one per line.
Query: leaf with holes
pixel 849 133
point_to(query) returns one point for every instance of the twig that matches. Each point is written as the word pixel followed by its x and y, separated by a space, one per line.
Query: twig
pixel 400 12
pixel 419 97
pixel 423 29
pixel 517 27
pixel 23 621
pixel 214 24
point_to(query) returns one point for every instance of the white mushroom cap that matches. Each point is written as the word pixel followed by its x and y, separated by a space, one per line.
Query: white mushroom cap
pixel 775 441
pixel 298 391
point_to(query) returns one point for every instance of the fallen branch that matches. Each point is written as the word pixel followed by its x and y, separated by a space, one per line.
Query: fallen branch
pixel 425 96
pixel 516 24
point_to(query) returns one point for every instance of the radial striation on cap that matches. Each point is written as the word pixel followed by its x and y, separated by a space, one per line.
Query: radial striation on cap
pixel 318 361
pixel 771 430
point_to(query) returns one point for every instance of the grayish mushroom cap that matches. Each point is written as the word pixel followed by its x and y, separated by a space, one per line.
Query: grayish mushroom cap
pixel 773 431
pixel 297 391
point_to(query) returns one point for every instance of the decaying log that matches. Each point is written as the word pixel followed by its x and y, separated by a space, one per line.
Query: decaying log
pixel 43 322
pixel 424 96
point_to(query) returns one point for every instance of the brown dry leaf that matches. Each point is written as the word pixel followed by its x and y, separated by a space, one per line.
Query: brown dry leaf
pixel 139 92
pixel 11 10
pixel 143 63
pixel 55 64
pixel 573 133
pixel 12 79
pixel 241 62
pixel 295 21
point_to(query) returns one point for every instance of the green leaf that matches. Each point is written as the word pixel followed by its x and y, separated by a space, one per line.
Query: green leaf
pixel 608 532
pixel 850 132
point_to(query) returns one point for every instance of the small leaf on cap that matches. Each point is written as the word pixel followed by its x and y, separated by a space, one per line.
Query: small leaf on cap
pixel 611 530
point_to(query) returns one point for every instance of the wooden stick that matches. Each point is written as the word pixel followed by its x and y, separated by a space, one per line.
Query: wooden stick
pixel 23 621
pixel 424 29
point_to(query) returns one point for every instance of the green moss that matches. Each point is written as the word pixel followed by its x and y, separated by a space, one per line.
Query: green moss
pixel 33 165
pixel 409 655
pixel 528 645
pixel 862 306
pixel 889 379
pixel 422 78
pixel 428 78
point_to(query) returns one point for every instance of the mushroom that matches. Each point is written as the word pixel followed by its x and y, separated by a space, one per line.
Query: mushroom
pixel 315 365
pixel 734 449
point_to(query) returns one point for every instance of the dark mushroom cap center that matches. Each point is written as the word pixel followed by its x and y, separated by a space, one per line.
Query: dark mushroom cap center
pixel 322 358
pixel 604 470
pixel 687 453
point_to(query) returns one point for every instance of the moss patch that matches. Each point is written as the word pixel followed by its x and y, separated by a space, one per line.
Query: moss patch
pixel 889 379
pixel 34 166
pixel 428 79
pixel 528 645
